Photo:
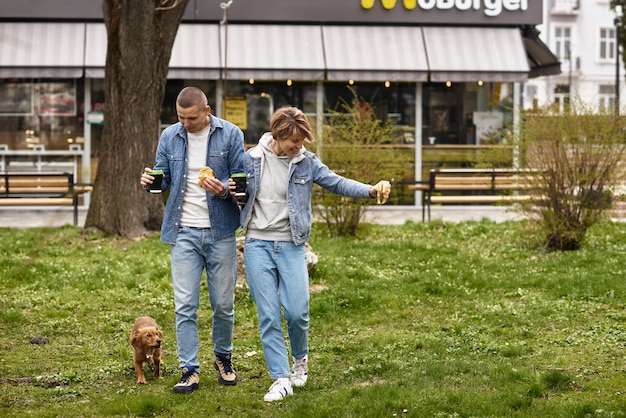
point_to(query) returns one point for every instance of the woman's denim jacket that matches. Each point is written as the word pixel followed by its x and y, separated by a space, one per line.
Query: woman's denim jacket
pixel 304 171
pixel 224 155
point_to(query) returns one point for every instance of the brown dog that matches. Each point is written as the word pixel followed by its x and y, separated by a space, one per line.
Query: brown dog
pixel 146 340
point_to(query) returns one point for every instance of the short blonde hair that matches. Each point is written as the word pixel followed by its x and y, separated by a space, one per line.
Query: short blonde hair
pixel 290 122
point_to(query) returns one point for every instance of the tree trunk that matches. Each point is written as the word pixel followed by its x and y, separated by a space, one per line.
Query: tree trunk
pixel 140 41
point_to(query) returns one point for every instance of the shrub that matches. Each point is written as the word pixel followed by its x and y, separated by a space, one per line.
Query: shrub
pixel 352 138
pixel 578 157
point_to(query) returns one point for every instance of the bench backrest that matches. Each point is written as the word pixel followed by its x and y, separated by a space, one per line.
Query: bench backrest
pixel 479 179
pixel 28 184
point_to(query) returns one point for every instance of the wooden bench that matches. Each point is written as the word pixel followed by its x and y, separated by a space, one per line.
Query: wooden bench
pixel 474 186
pixel 41 189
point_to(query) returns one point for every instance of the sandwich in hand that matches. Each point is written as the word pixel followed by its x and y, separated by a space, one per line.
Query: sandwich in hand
pixel 205 173
pixel 382 193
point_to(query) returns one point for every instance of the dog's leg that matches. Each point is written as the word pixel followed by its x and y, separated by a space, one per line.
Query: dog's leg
pixel 141 379
pixel 157 364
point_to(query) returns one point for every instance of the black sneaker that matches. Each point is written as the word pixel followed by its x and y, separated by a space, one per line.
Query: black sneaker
pixel 225 368
pixel 188 383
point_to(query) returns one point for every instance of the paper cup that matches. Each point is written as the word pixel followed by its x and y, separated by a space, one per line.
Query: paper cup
pixel 240 183
pixel 155 187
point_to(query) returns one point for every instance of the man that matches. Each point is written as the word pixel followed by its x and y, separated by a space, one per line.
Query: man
pixel 200 221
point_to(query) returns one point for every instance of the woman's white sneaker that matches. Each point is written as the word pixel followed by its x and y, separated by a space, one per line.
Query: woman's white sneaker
pixel 299 372
pixel 280 389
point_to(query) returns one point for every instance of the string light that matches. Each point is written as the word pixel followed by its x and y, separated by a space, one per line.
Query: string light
pixel 387 84
pixel 251 81
pixel 480 82
pixel 448 83
pixel 351 82
pixel 289 82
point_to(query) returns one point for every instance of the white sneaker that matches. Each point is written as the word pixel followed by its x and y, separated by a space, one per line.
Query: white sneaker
pixel 300 371
pixel 280 389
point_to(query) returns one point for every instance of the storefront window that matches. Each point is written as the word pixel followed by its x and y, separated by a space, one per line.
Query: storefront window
pixel 463 123
pixel 41 114
pixel 259 100
pixel 394 104
pixel 466 113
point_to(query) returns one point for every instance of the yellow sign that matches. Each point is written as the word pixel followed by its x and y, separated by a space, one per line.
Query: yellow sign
pixel 388 4
pixel 236 111
pixel 492 7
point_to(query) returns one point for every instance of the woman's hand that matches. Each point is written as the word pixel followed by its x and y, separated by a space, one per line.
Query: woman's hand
pixel 381 191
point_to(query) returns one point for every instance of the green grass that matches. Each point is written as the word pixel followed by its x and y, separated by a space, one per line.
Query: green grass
pixel 420 320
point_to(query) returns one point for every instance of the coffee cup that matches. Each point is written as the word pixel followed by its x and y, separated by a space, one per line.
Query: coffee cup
pixel 155 187
pixel 240 183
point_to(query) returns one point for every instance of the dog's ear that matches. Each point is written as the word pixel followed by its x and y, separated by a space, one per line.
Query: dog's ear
pixel 133 337
pixel 159 333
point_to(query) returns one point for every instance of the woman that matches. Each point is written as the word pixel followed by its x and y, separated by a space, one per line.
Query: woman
pixel 277 216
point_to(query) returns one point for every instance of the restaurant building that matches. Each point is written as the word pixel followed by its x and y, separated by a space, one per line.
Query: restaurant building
pixel 448 75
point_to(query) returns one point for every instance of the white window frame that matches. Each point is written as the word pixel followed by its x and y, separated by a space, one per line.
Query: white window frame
pixel 606 98
pixel 562 45
pixel 561 98
pixel 609 42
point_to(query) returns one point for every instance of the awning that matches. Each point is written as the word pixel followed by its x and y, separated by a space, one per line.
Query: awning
pixel 462 54
pixel 188 61
pixel 184 64
pixel 95 50
pixel 375 53
pixel 272 52
pixel 41 50
pixel 541 60
pixel 299 52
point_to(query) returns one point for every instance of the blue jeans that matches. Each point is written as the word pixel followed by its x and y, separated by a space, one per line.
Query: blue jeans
pixel 194 252
pixel 277 276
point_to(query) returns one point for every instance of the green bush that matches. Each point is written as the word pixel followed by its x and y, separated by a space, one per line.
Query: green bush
pixel 353 136
pixel 578 157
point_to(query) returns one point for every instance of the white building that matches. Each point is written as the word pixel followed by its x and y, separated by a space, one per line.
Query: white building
pixel 582 34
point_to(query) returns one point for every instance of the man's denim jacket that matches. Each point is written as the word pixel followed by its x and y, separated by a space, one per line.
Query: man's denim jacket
pixel 304 171
pixel 224 155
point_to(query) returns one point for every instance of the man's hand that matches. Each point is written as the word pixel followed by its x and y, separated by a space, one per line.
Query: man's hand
pixel 214 186
pixel 146 179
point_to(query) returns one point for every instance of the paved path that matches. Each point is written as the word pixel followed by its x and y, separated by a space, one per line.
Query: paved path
pixel 24 217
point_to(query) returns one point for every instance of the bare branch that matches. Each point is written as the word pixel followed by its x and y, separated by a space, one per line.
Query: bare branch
pixel 176 3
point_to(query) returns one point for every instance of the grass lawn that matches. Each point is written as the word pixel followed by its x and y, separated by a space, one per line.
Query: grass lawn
pixel 418 320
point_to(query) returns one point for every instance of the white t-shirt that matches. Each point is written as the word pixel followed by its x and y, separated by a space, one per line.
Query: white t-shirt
pixel 195 210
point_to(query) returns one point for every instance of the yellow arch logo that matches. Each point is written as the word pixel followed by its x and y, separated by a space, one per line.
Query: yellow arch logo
pixel 389 4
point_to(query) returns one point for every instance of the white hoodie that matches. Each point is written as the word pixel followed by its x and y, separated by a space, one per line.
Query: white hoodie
pixel 270 215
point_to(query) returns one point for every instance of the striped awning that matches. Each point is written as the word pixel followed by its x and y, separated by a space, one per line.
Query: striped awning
pixel 298 52
pixel 203 64
pixel 54 50
pixel 95 50
pixel 272 52
pixel 462 54
pixel 375 53
pixel 183 63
